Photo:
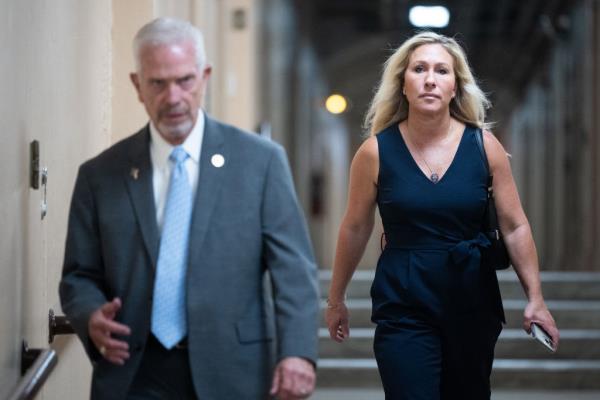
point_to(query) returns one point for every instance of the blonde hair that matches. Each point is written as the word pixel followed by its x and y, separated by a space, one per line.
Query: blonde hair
pixel 389 105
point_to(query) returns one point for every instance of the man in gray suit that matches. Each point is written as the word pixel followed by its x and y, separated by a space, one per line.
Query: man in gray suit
pixel 216 302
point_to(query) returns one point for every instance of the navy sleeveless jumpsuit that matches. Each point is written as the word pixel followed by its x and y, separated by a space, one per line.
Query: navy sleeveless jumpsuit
pixel 438 310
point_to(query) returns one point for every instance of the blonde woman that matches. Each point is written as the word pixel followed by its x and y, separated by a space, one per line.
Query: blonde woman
pixel 437 308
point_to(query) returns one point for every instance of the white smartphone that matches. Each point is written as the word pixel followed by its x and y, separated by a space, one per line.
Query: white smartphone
pixel 542 336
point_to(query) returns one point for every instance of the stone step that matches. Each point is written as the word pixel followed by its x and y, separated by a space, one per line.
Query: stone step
pixel 555 285
pixel 375 393
pixel 507 373
pixel 567 313
pixel 513 343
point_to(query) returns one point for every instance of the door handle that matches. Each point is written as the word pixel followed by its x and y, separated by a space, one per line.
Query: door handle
pixel 44 205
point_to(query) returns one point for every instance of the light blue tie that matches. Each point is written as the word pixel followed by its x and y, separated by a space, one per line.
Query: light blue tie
pixel 169 323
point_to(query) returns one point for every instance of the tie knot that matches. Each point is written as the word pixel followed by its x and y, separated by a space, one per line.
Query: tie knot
pixel 178 155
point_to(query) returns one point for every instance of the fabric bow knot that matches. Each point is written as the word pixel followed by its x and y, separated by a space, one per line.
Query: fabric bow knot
pixel 467 249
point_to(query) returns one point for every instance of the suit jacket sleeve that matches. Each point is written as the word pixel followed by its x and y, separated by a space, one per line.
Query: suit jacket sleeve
pixel 290 261
pixel 80 288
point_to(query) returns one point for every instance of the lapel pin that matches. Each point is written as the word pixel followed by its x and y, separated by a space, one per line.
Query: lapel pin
pixel 135 172
pixel 217 160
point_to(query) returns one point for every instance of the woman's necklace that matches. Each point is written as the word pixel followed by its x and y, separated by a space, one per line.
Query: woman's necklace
pixel 433 176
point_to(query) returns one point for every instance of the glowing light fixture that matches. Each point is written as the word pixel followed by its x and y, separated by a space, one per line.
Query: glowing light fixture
pixel 336 104
pixel 429 16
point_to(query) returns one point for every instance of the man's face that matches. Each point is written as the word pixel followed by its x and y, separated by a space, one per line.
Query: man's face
pixel 171 87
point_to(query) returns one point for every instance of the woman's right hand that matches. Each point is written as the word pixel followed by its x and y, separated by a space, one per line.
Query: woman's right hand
pixel 336 318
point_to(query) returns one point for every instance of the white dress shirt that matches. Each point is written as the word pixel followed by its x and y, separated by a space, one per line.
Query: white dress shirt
pixel 160 150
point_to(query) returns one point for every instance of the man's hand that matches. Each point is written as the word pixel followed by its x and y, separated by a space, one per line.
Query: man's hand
pixel 102 326
pixel 294 378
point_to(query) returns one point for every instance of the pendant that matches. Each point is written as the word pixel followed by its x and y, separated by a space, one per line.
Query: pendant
pixel 434 177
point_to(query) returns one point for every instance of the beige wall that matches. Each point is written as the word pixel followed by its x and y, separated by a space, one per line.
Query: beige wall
pixel 128 113
pixel 57 88
pixel 235 85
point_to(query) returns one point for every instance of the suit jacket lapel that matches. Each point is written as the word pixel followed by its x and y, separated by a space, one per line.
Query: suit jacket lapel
pixel 138 177
pixel 210 181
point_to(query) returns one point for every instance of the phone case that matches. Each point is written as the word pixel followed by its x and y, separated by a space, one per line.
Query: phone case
pixel 538 333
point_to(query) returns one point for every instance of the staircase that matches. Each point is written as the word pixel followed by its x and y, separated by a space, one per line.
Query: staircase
pixel 520 362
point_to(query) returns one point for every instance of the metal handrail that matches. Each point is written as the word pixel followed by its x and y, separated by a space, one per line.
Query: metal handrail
pixel 58 325
pixel 36 376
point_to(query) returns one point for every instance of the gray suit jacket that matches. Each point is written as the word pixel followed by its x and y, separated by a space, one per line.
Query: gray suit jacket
pixel 246 222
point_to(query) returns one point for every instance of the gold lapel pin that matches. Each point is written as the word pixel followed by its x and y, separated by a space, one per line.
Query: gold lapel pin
pixel 135 172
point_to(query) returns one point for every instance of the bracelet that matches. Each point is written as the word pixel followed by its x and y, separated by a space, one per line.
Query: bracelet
pixel 333 306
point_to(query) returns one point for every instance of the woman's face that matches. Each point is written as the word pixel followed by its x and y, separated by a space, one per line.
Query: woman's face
pixel 429 81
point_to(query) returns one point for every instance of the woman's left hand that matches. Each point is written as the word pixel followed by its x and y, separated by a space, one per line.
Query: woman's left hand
pixel 536 311
pixel 336 317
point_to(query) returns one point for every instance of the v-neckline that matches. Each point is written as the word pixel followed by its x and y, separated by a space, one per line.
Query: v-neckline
pixel 416 164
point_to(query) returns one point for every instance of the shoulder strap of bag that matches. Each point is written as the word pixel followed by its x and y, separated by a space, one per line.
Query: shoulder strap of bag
pixel 479 139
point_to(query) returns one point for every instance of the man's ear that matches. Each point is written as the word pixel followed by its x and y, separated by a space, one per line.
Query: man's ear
pixel 135 79
pixel 206 72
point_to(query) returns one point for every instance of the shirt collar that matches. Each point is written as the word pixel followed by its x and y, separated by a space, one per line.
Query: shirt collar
pixel 191 145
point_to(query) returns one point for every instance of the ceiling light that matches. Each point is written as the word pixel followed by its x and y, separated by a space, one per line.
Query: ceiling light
pixel 429 16
pixel 336 104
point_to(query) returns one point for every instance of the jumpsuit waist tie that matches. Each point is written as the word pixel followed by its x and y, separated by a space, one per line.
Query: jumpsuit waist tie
pixel 466 256
pixel 464 277
pixel 467 253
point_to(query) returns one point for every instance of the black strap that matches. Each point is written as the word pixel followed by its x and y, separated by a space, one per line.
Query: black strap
pixel 479 139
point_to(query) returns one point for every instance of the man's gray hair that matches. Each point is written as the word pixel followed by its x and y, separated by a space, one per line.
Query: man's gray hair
pixel 166 31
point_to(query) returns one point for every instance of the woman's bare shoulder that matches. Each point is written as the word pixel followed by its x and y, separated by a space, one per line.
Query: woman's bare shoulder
pixel 369 148
pixel 366 159
pixel 495 151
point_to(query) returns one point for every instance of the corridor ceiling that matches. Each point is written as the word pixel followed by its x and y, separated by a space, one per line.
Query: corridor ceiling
pixel 507 42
